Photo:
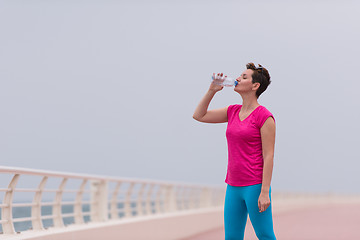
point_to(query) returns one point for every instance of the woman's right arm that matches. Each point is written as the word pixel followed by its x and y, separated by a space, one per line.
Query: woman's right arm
pixel 201 113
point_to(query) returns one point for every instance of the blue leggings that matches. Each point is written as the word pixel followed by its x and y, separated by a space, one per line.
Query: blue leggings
pixel 239 201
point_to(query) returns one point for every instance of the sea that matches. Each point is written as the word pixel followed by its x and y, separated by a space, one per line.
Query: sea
pixel 24 212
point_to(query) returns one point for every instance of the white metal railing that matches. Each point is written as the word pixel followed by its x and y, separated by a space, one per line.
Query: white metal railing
pixel 109 198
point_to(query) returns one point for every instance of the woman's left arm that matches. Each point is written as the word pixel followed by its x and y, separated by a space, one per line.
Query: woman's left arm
pixel 268 144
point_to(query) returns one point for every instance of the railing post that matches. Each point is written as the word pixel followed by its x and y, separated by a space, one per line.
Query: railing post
pixel 127 202
pixel 205 199
pixel 170 199
pixel 6 213
pixel 139 202
pixel 99 200
pixel 79 218
pixel 158 201
pixel 192 192
pixel 57 211
pixel 148 200
pixel 114 202
pixel 221 197
pixel 36 208
pixel 183 198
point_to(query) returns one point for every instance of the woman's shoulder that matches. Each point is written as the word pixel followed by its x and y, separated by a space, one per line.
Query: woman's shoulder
pixel 262 114
pixel 232 109
pixel 263 109
pixel 234 106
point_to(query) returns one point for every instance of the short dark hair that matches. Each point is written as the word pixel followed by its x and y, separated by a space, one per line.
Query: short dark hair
pixel 260 75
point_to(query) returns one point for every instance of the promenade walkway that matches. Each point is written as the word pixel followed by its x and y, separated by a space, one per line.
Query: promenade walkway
pixel 328 221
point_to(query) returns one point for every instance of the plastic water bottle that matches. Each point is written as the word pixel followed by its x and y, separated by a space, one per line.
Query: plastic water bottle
pixel 224 81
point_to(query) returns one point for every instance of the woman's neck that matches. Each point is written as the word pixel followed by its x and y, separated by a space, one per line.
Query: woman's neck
pixel 249 103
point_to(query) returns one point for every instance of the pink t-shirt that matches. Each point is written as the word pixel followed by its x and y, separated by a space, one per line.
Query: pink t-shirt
pixel 245 160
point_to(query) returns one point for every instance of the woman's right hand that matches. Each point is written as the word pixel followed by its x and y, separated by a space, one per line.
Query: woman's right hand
pixel 216 87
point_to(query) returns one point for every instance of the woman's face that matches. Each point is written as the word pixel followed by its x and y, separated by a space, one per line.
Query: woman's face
pixel 245 82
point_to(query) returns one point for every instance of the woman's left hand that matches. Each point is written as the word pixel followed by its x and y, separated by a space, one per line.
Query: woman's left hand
pixel 263 202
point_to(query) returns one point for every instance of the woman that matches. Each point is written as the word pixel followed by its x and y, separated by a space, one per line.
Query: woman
pixel 250 137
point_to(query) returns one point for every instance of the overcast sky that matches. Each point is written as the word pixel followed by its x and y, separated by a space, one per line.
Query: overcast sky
pixel 110 87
